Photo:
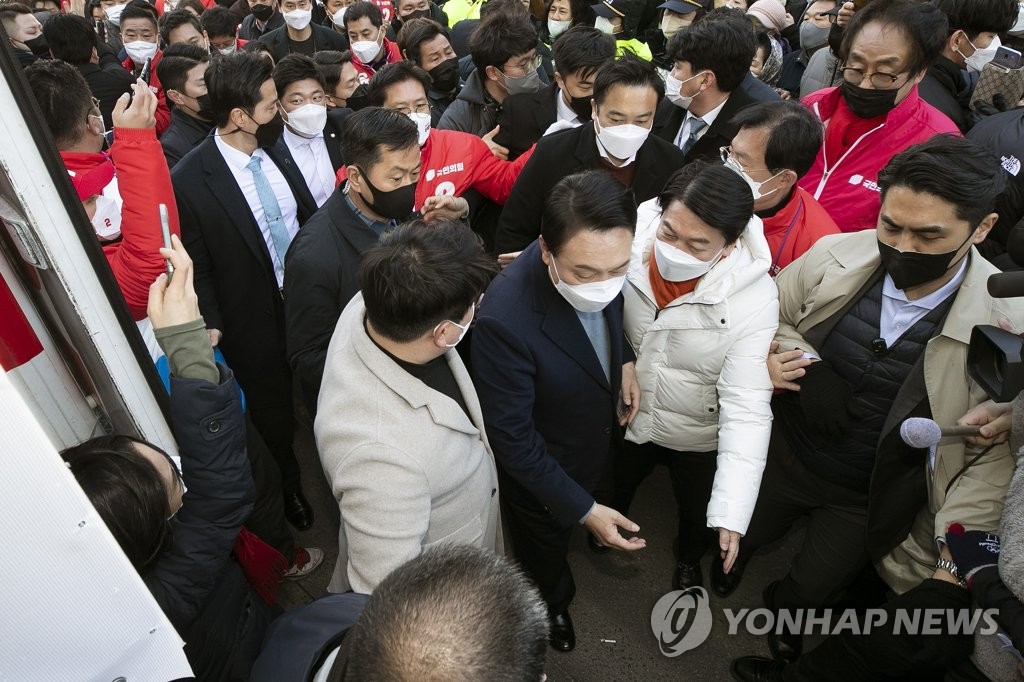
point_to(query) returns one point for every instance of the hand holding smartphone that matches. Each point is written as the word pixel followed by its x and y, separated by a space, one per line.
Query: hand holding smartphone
pixel 165 228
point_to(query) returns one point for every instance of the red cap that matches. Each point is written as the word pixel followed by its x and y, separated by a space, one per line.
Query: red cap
pixel 91 182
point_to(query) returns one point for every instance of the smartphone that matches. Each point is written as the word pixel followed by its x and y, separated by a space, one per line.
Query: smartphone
pixel 1007 58
pixel 101 30
pixel 147 68
pixel 165 228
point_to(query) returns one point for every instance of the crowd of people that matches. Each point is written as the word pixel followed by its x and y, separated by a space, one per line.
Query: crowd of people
pixel 513 256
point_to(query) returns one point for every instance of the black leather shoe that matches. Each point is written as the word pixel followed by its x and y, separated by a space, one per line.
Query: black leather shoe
pixel 687 575
pixel 785 647
pixel 595 546
pixel 723 584
pixel 297 510
pixel 563 635
pixel 756 669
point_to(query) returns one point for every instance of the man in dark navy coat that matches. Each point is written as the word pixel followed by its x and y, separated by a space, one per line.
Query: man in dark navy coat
pixel 552 371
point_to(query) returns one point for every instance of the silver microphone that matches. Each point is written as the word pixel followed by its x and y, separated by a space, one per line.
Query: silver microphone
pixel 918 432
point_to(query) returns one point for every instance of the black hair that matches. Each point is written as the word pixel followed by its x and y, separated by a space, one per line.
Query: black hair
pixel 978 16
pixel 200 10
pixel 358 10
pixel 512 7
pixel 455 612
pixel 258 47
pixel 127 492
pixel 794 133
pixel 234 81
pixel 498 38
pixel 715 194
pixel 416 32
pixel 392 74
pixel 954 169
pixel 9 12
pixel 722 43
pixel 294 68
pixel 220 22
pixel 176 19
pixel 140 9
pixel 71 37
pixel 330 63
pixel 631 71
pixel 64 98
pixel 592 200
pixel 177 61
pixel 582 49
pixel 923 27
pixel 373 129
pixel 421 275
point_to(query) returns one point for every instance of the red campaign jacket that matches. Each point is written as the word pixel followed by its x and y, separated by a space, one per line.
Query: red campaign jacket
pixel 143 184
pixel 795 228
pixel 366 71
pixel 847 186
pixel 163 114
pixel 453 162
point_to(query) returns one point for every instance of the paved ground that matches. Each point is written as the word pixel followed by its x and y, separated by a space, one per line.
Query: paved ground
pixel 615 592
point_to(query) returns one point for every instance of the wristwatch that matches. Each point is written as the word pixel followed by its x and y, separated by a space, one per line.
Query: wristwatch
pixel 949 567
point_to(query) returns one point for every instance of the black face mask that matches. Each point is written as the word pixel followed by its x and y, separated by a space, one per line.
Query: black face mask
pixel 582 107
pixel 396 204
pixel 359 98
pixel 445 76
pixel 910 269
pixel 205 108
pixel 38 46
pixel 261 12
pixel 865 103
pixel 267 134
pixel 418 14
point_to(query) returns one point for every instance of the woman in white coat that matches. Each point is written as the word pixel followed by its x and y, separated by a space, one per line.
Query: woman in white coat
pixel 700 312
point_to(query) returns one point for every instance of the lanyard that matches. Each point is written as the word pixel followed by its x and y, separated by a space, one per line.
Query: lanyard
pixel 775 269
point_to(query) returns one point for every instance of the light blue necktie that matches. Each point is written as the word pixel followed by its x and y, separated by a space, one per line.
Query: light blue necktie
pixel 696 125
pixel 271 209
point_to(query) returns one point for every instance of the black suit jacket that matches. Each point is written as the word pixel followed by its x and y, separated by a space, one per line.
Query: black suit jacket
pixel 250 31
pixel 107 84
pixel 234 274
pixel 564 153
pixel 182 136
pixel 548 407
pixel 332 138
pixel 323 39
pixel 321 276
pixel 669 117
pixel 525 117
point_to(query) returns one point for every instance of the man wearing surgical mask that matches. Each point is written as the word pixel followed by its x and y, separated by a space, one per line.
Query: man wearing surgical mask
pixel 368 42
pixel 299 35
pixel 183 70
pixel 814 30
pixel 425 43
pixel 617 140
pixel 141 38
pixel 312 136
pixel 264 17
pixel 24 32
pixel 556 381
pixel 972 42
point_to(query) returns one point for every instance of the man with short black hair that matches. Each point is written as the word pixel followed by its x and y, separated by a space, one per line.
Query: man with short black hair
pixel 504 49
pixel 264 17
pixel 579 54
pixel 382 154
pixel 221 27
pixel 367 40
pixel 239 212
pixel 626 95
pixel 181 26
pixel 141 37
pixel 24 33
pixel 72 38
pixel 425 43
pixel 703 90
pixel 409 464
pixel 775 144
pixel 182 70
pixel 299 34
pixel 340 77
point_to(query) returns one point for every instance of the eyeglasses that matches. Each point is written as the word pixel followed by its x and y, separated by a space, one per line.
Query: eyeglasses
pixel 526 65
pixel 729 160
pixel 878 79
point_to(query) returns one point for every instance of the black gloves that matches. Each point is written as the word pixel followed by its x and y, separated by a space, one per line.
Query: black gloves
pixel 825 399
pixel 972 550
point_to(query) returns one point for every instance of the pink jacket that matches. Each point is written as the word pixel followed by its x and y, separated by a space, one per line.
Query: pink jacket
pixel 847 187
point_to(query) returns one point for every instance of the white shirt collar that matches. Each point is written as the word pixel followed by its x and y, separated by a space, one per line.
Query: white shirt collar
pixel 293 139
pixel 709 117
pixel 234 157
pixel 933 299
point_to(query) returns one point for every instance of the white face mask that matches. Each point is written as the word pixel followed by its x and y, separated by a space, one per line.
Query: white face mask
pixel 422 122
pixel 462 334
pixel 114 14
pixel 366 50
pixel 592 296
pixel 604 26
pixel 106 221
pixel 755 186
pixel 676 265
pixel 672 88
pixel 557 28
pixel 308 120
pixel 338 18
pixel 621 141
pixel 670 25
pixel 140 51
pixel 982 56
pixel 298 19
pixel 228 50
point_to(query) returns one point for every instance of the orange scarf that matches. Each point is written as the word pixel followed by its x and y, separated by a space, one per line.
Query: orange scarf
pixel 665 291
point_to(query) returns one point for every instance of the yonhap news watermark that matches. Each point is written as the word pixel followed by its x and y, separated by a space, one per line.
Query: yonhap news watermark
pixel 683 620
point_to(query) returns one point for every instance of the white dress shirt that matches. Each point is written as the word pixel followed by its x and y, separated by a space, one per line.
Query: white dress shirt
pixel 684 130
pixel 310 154
pixel 237 161
pixel 900 314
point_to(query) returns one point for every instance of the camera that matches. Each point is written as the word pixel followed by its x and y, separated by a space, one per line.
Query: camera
pixel 995 357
